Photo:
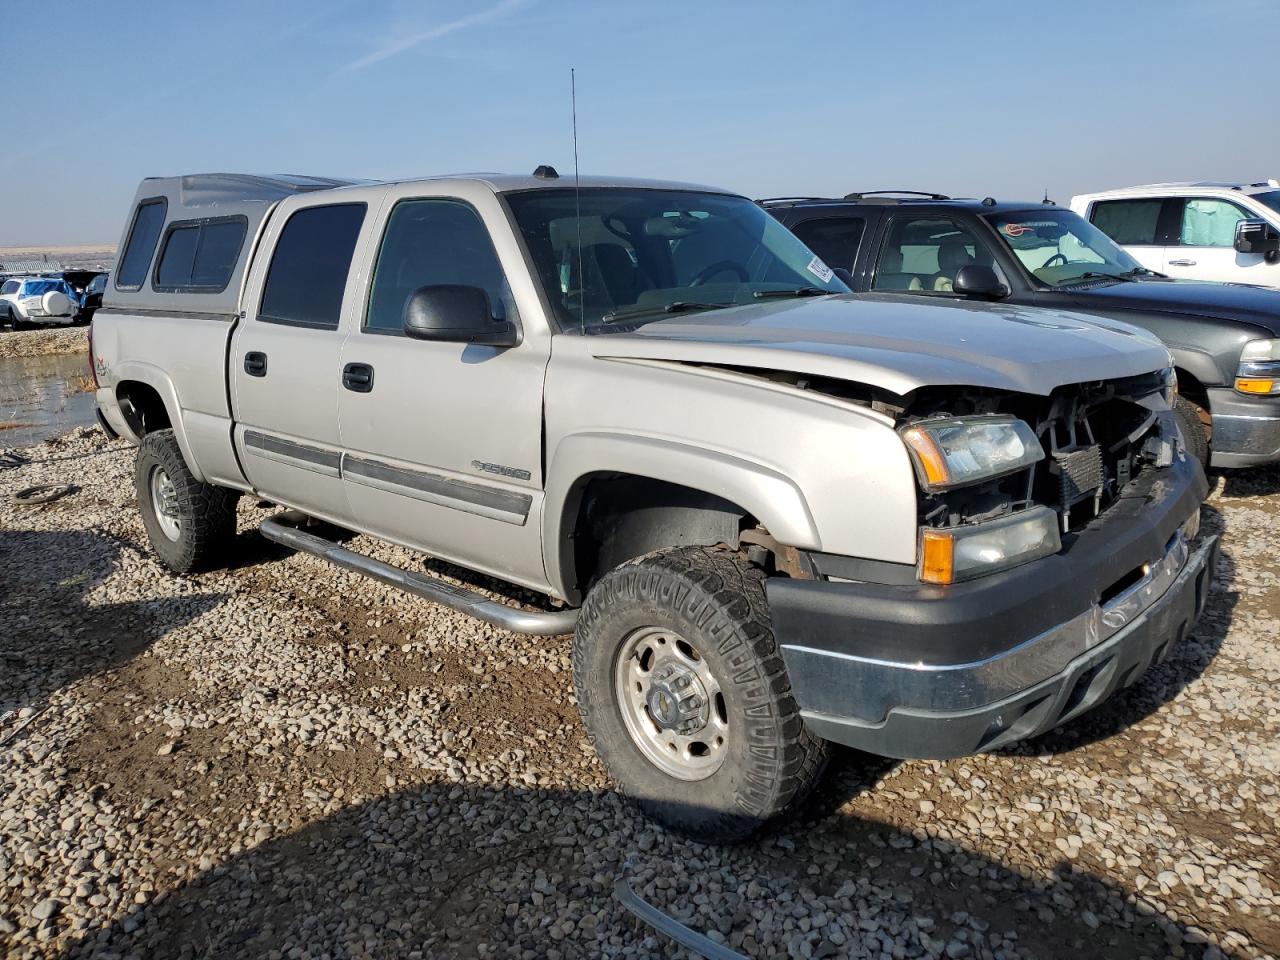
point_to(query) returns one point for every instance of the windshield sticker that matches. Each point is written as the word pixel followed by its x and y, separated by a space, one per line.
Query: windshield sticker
pixel 820 270
pixel 1015 229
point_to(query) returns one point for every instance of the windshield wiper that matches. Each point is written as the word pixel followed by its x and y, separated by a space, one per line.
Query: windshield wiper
pixel 794 292
pixel 679 306
pixel 1094 275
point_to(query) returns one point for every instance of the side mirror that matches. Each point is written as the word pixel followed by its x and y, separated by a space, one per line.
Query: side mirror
pixel 452 313
pixel 1257 236
pixel 979 280
pixel 844 276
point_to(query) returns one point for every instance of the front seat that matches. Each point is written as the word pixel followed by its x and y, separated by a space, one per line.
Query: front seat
pixel 952 255
pixel 889 275
pixel 621 278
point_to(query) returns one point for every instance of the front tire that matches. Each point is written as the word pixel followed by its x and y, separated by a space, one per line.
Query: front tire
pixel 190 524
pixel 685 695
pixel 1191 419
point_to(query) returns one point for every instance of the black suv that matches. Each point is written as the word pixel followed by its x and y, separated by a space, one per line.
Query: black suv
pixel 1225 338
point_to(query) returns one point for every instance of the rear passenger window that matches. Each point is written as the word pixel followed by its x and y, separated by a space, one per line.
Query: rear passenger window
pixel 1128 222
pixel 141 244
pixel 431 242
pixel 834 239
pixel 199 257
pixel 309 267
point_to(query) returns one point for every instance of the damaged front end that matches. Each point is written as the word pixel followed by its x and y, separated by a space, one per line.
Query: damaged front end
pixel 1030 469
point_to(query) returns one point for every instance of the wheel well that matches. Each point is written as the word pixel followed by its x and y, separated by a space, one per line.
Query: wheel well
pixel 612 518
pixel 142 406
pixel 1192 389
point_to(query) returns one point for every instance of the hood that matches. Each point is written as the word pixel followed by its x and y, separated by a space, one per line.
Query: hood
pixel 1223 301
pixel 900 343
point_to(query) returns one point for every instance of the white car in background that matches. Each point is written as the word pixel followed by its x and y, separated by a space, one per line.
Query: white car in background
pixel 38 300
pixel 1228 232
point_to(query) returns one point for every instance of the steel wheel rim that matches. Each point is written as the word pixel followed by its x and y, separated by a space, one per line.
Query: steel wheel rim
pixel 671 703
pixel 164 501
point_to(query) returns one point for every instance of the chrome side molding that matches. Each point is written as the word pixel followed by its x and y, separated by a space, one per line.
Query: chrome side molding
pixel 539 623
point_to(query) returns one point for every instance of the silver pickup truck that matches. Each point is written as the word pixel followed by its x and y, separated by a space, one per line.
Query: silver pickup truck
pixel 773 515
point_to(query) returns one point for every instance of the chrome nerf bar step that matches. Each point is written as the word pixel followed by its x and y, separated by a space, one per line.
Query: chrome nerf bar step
pixel 542 624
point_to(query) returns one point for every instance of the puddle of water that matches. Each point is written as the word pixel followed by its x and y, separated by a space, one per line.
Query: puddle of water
pixel 41 397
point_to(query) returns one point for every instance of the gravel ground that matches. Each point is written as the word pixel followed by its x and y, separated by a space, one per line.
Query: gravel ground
pixel 43 342
pixel 282 760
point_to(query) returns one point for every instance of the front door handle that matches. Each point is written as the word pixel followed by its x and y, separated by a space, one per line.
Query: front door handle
pixel 255 363
pixel 358 377
pixel 1182 263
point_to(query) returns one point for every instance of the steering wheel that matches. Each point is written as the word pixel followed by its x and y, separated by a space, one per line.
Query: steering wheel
pixel 1056 256
pixel 720 266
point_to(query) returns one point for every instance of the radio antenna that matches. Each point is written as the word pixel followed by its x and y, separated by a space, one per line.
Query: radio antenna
pixel 577 206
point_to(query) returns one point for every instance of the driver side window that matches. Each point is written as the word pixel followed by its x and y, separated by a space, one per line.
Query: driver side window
pixel 924 254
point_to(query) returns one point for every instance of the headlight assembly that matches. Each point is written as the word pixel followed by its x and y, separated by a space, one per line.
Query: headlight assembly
pixel 1259 370
pixel 957 452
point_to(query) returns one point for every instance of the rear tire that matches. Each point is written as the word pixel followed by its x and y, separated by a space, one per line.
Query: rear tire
pixel 190 524
pixel 1191 417
pixel 686 698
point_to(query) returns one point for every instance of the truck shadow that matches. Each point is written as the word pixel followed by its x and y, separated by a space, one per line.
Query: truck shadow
pixel 54 634
pixel 1185 662
pixel 1252 482
pixel 440 868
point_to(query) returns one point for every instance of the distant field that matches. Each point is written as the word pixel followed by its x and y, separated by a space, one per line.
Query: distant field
pixel 87 255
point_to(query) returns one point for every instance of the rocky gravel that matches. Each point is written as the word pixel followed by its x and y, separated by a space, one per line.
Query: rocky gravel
pixel 283 760
pixel 43 342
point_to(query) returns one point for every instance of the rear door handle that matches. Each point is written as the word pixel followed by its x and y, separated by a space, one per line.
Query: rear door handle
pixel 255 363
pixel 1182 263
pixel 358 377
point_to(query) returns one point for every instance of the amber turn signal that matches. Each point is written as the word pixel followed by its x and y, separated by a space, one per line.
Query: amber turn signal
pixel 937 557
pixel 1255 385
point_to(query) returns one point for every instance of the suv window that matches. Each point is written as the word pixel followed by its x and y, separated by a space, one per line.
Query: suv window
pixel 1134 223
pixel 147 221
pixel 200 256
pixel 309 266
pixel 923 254
pixel 11 286
pixel 430 242
pixel 1207 222
pixel 834 239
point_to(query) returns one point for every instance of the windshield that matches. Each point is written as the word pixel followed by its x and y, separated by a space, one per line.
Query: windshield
pixel 1271 198
pixel 614 256
pixel 1060 247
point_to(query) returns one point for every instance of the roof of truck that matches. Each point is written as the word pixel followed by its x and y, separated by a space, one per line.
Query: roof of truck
pixel 1257 186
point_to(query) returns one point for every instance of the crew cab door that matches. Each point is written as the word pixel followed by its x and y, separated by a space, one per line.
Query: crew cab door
pixel 287 350
pixel 1202 245
pixel 443 441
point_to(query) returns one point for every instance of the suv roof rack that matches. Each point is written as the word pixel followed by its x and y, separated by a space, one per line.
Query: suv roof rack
pixel 896 193
pixel 795 200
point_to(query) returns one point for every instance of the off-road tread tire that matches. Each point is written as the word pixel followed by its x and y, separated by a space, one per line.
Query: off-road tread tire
pixel 705 593
pixel 1187 413
pixel 208 512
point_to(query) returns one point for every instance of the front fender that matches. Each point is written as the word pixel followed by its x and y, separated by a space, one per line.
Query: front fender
pixel 760 491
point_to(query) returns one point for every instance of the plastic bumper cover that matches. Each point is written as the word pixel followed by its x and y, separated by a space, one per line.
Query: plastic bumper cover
pixel 1246 430
pixel 944 672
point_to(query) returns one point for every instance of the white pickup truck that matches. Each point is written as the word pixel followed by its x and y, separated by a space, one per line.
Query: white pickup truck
pixel 772 514
pixel 1220 231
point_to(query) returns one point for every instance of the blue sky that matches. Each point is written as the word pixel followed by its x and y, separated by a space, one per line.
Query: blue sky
pixel 779 98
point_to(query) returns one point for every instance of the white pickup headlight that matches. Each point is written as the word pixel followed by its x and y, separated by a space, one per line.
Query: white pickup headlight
pixel 1259 370
pixel 957 452
pixel 962 553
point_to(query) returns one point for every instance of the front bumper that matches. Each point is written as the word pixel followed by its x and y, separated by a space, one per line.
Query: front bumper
pixel 1246 430
pixel 918 671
